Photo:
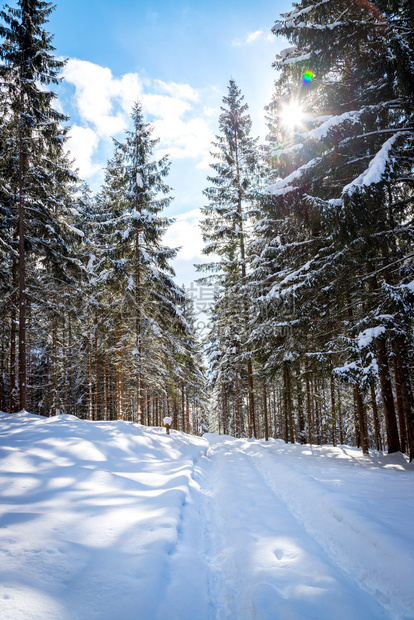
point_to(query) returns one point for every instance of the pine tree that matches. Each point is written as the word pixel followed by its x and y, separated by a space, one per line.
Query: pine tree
pixel 35 162
pixel 225 223
pixel 134 269
pixel 342 191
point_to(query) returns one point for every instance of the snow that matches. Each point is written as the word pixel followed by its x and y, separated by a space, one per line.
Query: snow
pixel 283 186
pixel 140 182
pixel 322 131
pixel 366 337
pixel 377 166
pixel 105 520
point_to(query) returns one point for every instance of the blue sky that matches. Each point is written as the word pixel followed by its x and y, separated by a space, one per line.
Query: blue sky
pixel 177 57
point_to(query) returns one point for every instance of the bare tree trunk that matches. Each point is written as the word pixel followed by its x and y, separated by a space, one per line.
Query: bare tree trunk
pixel 309 408
pixel 317 414
pixel 356 419
pixel 90 388
pixel 70 398
pixel 183 407
pixel 252 416
pixel 237 406
pixel 105 388
pixel 288 401
pixel 378 443
pixel 340 418
pixel 266 424
pixel 275 420
pixel 406 391
pixel 187 412
pixel 13 324
pixel 361 419
pixel 96 364
pixel 399 399
pixel 301 418
pixel 3 355
pixel 54 361
pixel 388 398
pixel 65 366
pixel 333 411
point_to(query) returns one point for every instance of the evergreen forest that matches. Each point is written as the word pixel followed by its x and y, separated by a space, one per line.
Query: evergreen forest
pixel 308 243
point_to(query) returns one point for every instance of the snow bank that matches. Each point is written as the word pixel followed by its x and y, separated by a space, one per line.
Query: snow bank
pixel 90 515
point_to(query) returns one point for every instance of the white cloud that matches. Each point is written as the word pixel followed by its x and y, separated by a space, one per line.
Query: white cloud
pixel 103 103
pixel 251 37
pixel 182 91
pixel 184 139
pixel 98 93
pixel 185 233
pixel 82 145
pixel 254 35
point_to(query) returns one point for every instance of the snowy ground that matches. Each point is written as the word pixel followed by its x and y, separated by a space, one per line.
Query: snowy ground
pixel 112 521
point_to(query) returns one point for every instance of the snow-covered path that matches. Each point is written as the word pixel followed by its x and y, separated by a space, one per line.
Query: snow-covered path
pixel 117 522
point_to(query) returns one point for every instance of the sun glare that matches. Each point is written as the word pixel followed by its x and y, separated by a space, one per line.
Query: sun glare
pixel 291 115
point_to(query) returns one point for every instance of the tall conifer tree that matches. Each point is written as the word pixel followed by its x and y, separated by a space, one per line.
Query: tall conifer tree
pixel 225 223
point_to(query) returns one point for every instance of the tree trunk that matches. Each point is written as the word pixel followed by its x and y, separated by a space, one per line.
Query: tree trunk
pixel 96 364
pixel 13 323
pixel 333 411
pixel 361 419
pixel 22 283
pixel 388 398
pixel 54 361
pixel 309 408
pixel 340 418
pixel 90 387
pixel 70 396
pixel 105 388
pixel 378 443
pixel 399 400
pixel 288 401
pixel 183 407
pixel 301 418
pixel 317 411
pixel 402 359
pixel 252 417
pixel 237 406
pixel 356 419
pixel 3 355
pixel 266 424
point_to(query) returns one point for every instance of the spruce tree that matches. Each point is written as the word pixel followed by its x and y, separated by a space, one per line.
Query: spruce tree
pixel 36 164
pixel 337 235
pixel 134 266
pixel 225 223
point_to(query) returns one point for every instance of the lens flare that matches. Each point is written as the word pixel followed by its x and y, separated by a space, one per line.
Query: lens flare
pixel 307 77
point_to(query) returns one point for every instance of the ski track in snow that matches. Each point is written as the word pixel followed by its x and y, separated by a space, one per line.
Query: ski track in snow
pixel 366 549
pixel 110 521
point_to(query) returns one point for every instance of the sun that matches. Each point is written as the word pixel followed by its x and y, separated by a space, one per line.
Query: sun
pixel 291 114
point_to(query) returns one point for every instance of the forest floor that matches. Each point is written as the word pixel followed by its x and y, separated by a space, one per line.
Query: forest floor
pixel 114 521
